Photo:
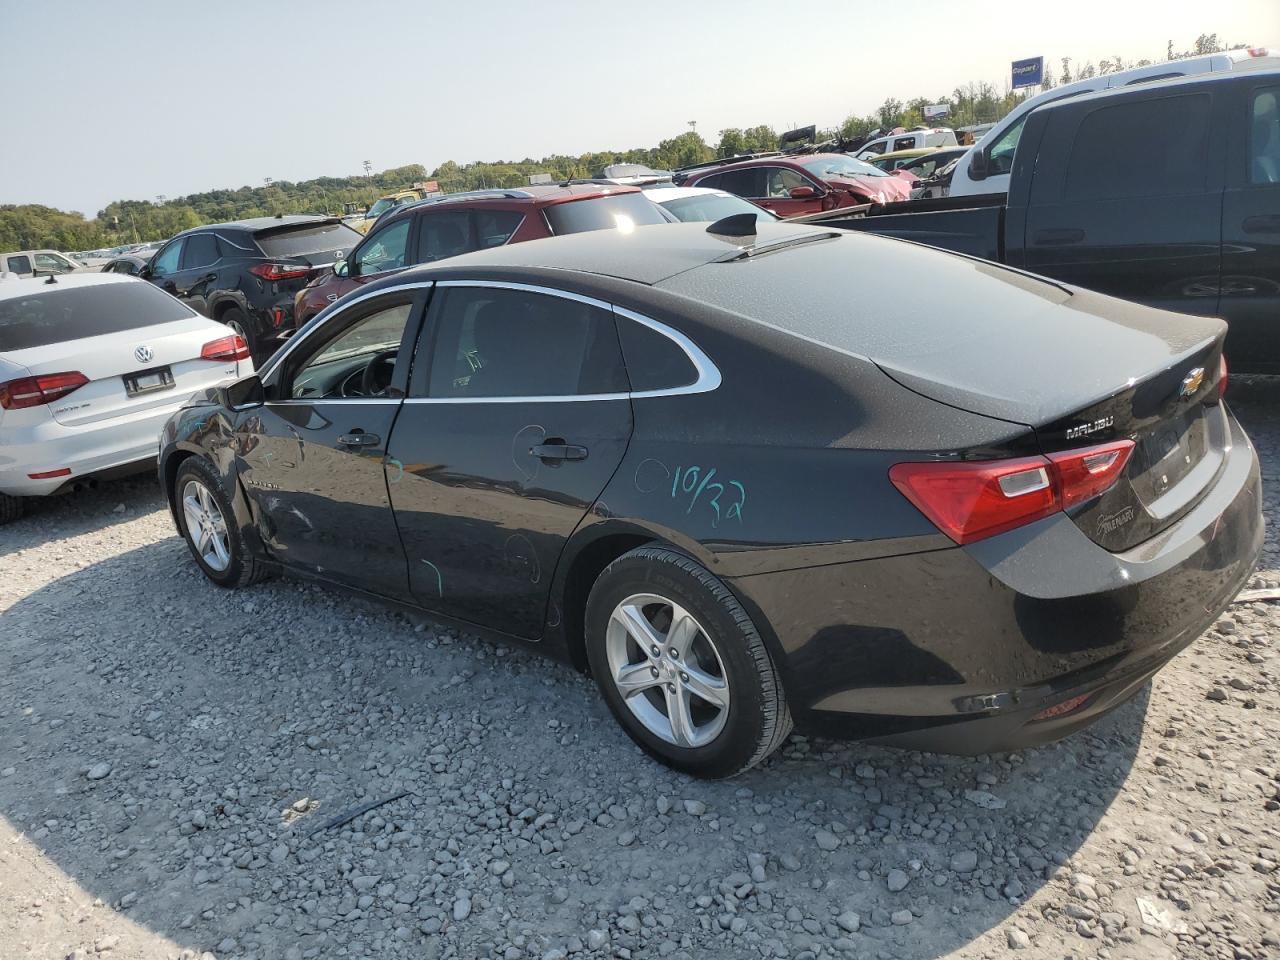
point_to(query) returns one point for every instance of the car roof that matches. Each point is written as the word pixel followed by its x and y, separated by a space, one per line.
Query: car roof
pixel 26 286
pixel 262 223
pixel 1246 72
pixel 909 154
pixel 19 253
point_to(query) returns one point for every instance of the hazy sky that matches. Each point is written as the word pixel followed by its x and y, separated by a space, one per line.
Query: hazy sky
pixel 110 101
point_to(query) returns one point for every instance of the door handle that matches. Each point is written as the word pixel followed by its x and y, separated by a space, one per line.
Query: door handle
pixel 557 449
pixel 1262 224
pixel 358 438
pixel 1058 237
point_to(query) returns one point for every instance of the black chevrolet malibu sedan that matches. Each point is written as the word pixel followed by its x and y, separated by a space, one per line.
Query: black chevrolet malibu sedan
pixel 751 480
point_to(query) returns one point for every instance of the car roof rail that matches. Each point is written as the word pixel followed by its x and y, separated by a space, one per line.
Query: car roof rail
pixel 492 194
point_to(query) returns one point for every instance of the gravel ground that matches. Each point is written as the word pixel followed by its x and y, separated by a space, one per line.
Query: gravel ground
pixel 171 754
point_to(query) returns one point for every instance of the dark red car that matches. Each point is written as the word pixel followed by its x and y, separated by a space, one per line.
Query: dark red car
pixel 799 184
pixel 456 223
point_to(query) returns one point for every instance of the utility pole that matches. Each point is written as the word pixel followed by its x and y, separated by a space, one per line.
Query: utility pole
pixel 693 126
pixel 368 168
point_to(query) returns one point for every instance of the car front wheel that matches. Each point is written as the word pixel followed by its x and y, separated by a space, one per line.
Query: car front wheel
pixel 207 523
pixel 682 666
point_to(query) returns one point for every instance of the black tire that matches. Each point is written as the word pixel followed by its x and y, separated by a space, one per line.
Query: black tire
pixel 758 720
pixel 243 568
pixel 10 508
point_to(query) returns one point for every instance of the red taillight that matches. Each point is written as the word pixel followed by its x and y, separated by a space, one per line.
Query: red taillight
pixel 225 348
pixel 50 474
pixel 1222 375
pixel 279 271
pixel 1259 52
pixel 277 317
pixel 34 391
pixel 1091 472
pixel 972 501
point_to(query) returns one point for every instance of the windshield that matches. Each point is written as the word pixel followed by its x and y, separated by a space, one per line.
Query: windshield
pixel 56 315
pixel 709 207
pixel 604 212
pixel 379 208
pixel 825 167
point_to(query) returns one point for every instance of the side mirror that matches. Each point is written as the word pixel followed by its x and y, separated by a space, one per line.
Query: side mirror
pixel 145 272
pixel 978 165
pixel 340 268
pixel 803 193
pixel 243 394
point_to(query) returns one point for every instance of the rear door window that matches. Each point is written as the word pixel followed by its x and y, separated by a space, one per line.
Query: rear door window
pixel 200 250
pixel 1264 141
pixel 444 233
pixel 19 264
pixel 654 361
pixel 514 343
pixel 745 183
pixel 1170 134
pixel 59 315
pixel 493 228
pixel 904 143
pixel 305 240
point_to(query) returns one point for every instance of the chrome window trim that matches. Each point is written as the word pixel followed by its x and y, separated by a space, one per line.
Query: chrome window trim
pixel 292 401
pixel 708 375
pixel 305 334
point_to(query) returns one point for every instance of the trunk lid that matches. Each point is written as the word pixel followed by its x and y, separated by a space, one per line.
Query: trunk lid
pixel 1086 370
pixel 106 360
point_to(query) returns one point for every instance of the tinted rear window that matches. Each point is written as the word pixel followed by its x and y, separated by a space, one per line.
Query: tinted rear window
pixel 1145 148
pixel 327 238
pixel 603 213
pixel 708 207
pixel 58 315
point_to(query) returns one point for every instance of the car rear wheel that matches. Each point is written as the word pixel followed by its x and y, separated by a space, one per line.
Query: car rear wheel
pixel 10 508
pixel 207 523
pixel 682 666
pixel 234 318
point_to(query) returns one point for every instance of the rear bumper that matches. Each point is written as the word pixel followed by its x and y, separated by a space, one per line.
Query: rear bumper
pixel 957 650
pixel 89 450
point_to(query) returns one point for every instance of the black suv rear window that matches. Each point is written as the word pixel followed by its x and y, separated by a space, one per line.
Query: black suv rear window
pixel 56 315
pixel 327 238
pixel 603 213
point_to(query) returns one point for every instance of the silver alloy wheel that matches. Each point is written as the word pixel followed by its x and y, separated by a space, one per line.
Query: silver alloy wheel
pixel 206 527
pixel 667 670
pixel 238 330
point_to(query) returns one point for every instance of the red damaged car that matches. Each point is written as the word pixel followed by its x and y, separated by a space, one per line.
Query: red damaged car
pixel 800 184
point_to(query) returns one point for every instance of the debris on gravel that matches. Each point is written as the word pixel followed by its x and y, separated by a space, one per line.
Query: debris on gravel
pixel 172 753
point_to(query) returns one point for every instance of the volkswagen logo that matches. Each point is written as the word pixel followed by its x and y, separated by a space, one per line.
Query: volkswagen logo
pixel 1191 382
pixel 144 354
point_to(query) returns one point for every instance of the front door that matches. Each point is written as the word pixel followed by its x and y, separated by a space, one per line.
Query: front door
pixel 312 456
pixel 198 272
pixel 165 266
pixel 779 182
pixel 1251 235
pixel 518 416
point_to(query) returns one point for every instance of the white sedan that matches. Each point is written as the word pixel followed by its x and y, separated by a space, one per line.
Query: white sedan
pixel 91 366
pixel 703 205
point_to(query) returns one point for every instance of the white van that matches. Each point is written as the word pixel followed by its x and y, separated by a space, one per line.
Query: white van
pixel 908 140
pixel 985 169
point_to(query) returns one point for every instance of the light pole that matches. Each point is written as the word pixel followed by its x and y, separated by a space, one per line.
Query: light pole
pixel 368 168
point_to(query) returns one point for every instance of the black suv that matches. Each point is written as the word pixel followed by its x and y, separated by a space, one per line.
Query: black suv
pixel 246 273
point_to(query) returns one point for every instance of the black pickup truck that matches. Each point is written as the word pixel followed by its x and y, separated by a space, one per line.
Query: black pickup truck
pixel 1166 193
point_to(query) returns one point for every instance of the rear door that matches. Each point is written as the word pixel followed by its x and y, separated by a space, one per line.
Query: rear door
pixel 311 458
pixel 1251 230
pixel 1126 198
pixel 518 416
